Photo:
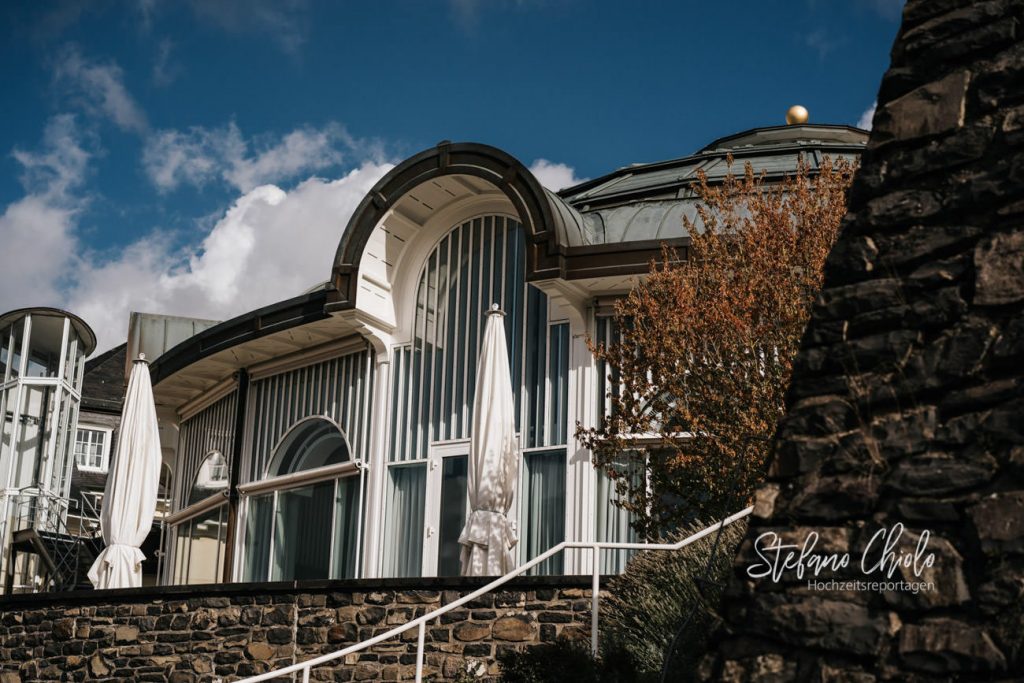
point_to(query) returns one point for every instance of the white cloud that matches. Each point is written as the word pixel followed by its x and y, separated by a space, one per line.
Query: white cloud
pixel 286 22
pixel 38 229
pixel 554 176
pixel 867 117
pixel 270 245
pixel 164 69
pixel 887 9
pixel 822 43
pixel 201 155
pixel 101 89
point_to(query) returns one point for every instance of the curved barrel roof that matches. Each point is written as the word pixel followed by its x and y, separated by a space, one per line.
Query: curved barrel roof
pixel 609 226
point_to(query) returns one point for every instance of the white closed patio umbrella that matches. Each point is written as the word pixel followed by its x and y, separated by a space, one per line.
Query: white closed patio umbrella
pixel 129 499
pixel 489 535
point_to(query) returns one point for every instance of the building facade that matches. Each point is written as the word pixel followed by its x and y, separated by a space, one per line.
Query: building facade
pixel 327 436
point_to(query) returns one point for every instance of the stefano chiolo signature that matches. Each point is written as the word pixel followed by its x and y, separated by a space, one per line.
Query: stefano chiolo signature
pixel 881 555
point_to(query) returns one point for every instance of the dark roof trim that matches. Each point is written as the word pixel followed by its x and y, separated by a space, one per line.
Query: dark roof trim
pixel 616 259
pixel 722 141
pixel 278 317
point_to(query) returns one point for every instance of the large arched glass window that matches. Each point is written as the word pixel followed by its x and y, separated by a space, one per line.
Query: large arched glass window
pixel 303 518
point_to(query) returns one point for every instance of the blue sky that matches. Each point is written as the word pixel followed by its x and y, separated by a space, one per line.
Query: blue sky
pixel 201 157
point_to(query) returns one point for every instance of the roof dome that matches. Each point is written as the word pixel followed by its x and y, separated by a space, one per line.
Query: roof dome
pixel 647 201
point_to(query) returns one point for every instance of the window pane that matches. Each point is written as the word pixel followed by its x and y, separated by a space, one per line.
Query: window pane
pixel 536 351
pixel 211 478
pixel 404 553
pixel 206 546
pixel 558 377
pixel 613 523
pixel 545 507
pixel 33 431
pixel 453 514
pixel 257 538
pixel 5 352
pixel 69 357
pixel 45 346
pixel 17 337
pixel 346 520
pixel 181 553
pixel 315 443
pixel 302 533
pixel 89 447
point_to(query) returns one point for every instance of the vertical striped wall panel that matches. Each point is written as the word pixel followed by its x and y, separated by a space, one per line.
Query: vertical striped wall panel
pixel 340 389
pixel 212 429
pixel 477 263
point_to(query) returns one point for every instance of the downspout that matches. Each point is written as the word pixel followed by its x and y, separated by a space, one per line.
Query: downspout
pixel 234 471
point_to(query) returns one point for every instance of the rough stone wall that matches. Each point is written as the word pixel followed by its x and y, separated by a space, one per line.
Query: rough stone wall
pixel 200 635
pixel 907 403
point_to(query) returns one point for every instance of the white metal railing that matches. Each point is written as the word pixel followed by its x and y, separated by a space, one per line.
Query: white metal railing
pixel 421 622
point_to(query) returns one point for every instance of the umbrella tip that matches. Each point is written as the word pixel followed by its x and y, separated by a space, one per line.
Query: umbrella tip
pixel 495 310
pixel 142 356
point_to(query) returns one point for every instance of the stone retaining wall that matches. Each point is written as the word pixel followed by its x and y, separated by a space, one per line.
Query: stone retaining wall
pixel 200 634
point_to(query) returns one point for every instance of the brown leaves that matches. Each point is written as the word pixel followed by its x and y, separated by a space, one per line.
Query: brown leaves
pixel 707 346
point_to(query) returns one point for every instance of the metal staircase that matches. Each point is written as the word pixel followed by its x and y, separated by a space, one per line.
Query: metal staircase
pixel 44 549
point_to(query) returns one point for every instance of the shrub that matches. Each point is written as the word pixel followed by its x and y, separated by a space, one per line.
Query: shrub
pixel 649 602
pixel 568 660
pixel 564 660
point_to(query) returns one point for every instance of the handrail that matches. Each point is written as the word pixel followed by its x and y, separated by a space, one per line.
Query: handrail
pixel 421 621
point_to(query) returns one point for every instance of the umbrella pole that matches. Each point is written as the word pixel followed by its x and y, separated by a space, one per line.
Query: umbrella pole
pixel 595 590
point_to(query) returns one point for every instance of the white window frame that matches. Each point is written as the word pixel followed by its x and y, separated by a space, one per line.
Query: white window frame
pixel 274 485
pixel 439 450
pixel 108 433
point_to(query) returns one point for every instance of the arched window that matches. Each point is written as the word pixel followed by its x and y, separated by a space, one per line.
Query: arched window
pixel 303 518
pixel 313 443
pixel 211 478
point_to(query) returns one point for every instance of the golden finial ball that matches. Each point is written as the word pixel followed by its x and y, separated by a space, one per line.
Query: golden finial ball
pixel 796 114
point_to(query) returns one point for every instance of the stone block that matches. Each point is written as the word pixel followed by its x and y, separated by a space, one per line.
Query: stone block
pixel 936 474
pixel 63 629
pixel 999 523
pixel 999 269
pixel 518 628
pixel 468 631
pixel 947 645
pixel 932 109
pixel 126 634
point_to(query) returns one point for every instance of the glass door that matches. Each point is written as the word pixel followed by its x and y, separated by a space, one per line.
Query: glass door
pixel 447 504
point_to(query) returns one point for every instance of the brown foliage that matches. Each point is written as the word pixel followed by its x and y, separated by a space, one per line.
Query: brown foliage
pixel 707 345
